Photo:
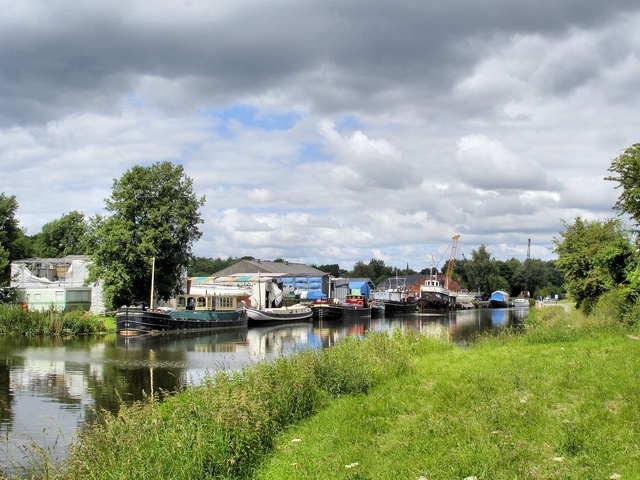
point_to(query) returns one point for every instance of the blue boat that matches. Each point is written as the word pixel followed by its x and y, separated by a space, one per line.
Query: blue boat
pixel 499 299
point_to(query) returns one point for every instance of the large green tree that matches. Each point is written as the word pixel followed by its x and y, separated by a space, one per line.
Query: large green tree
pixel 594 257
pixel 12 238
pixel 627 168
pixel 154 213
pixel 486 271
pixel 62 237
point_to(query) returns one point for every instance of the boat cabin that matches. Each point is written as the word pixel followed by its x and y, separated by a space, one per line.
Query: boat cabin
pixel 207 302
pixel 359 300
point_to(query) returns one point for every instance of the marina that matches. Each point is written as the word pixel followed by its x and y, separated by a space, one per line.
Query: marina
pixel 67 381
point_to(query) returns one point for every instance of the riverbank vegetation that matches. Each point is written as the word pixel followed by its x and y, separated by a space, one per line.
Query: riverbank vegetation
pixel 16 321
pixel 558 399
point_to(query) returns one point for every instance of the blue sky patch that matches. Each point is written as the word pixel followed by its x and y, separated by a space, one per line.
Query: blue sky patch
pixel 313 152
pixel 252 117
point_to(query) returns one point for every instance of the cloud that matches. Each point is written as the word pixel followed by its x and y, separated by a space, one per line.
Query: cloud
pixel 488 165
pixel 322 134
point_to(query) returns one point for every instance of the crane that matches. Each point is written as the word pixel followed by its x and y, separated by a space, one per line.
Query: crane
pixel 452 259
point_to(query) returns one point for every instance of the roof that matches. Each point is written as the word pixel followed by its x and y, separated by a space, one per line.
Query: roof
pixel 403 281
pixel 263 266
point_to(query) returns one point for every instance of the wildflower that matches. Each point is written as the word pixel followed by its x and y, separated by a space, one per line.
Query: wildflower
pixel 352 465
pixel 294 464
pixel 614 476
pixel 558 459
pixel 296 440
pixel 471 478
pixel 523 399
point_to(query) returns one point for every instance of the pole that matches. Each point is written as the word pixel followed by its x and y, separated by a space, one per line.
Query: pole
pixel 153 268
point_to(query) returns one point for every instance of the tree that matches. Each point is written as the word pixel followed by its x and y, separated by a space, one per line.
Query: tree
pixel 154 214
pixel 627 166
pixel 333 269
pixel 62 237
pixel 594 257
pixel 203 267
pixel 530 276
pixel 12 237
pixel 486 271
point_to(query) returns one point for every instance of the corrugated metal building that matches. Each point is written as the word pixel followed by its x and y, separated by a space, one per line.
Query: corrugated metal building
pixel 297 276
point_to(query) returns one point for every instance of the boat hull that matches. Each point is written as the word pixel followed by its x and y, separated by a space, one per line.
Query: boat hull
pixel 326 311
pixel 135 321
pixel 350 312
pixel 392 307
pixel 498 304
pixel 284 314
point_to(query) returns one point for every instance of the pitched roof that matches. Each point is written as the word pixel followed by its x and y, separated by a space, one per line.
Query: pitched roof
pixel 262 266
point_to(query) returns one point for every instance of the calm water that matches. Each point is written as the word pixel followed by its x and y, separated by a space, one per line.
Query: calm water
pixel 51 387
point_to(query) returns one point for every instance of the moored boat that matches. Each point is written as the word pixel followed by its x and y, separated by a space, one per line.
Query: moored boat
pixel 356 306
pixel 326 309
pixel 436 296
pixel 192 312
pixel 521 302
pixel 499 299
pixel 279 314
pixel 398 299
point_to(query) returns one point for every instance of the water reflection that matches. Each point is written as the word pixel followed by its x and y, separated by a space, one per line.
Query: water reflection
pixel 51 386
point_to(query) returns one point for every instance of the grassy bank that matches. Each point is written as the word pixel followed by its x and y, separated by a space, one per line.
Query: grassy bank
pixel 559 400
pixel 16 321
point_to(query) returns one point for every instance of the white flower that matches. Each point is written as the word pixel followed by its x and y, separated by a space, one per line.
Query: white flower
pixel 296 440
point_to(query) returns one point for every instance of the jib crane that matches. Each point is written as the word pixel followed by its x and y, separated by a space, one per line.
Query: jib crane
pixel 452 259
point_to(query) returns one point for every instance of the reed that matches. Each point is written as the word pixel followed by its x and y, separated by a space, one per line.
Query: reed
pixel 16 321
pixel 226 427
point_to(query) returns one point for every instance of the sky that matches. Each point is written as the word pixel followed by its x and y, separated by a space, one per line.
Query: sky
pixel 327 132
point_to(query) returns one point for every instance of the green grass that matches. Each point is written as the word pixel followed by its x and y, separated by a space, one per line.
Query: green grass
pixel 16 321
pixel 560 399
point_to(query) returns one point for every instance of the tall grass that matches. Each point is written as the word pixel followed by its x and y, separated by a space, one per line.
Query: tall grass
pixel 559 400
pixel 15 320
pixel 224 428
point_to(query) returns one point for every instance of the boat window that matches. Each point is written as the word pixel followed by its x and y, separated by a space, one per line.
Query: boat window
pixel 224 302
pixel 202 302
pixel 36 297
pixel 182 302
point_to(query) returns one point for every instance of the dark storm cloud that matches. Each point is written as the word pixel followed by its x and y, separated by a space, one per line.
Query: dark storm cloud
pixel 84 56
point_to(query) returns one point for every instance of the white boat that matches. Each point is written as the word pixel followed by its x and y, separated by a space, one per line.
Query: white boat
pixel 436 296
pixel 279 314
pixel 521 302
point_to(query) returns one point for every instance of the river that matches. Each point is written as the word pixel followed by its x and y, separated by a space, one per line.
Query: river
pixel 50 387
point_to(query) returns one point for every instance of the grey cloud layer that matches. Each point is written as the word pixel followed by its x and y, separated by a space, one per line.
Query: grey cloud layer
pixel 62 57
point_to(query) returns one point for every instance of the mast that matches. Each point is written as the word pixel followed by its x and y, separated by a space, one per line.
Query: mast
pixel 153 269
